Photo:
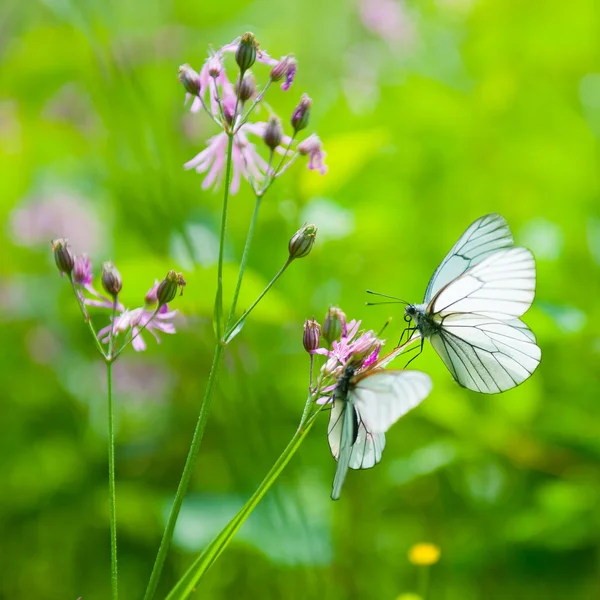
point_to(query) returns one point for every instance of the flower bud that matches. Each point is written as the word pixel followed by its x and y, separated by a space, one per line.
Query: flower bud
pixel 273 133
pixel 245 88
pixel 169 286
pixel 335 324
pixel 245 55
pixel 63 255
pixel 301 113
pixel 189 79
pixel 281 69
pixel 302 241
pixel 312 335
pixel 111 279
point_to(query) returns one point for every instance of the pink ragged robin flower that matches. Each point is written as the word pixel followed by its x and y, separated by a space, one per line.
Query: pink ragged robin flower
pixel 313 147
pixel 142 319
pixel 246 160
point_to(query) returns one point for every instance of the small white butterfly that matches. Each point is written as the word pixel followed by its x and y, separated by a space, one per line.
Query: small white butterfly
pixel 365 405
pixel 472 306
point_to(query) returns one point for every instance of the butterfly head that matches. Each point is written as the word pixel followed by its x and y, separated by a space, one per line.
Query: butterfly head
pixel 410 313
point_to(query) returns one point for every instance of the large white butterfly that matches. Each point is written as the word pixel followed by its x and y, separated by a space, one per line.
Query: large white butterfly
pixel 365 406
pixel 472 307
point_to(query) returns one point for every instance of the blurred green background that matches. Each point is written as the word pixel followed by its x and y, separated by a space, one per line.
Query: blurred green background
pixel 433 113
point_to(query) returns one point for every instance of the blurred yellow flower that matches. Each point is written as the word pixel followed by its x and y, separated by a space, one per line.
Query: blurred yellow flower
pixel 424 554
pixel 409 596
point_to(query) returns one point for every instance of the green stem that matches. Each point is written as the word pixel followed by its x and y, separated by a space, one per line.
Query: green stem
pixel 111 483
pixel 218 315
pixel 187 583
pixel 86 318
pixel 112 331
pixel 249 237
pixel 258 98
pixel 186 475
pixel 234 327
pixel 424 582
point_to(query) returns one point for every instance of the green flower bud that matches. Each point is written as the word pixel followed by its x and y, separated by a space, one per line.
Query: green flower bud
pixel 65 261
pixel 245 55
pixel 302 241
pixel 169 286
pixel 334 325
pixel 111 279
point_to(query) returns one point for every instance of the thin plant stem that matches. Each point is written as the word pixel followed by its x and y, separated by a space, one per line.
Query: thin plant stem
pixel 187 583
pixel 186 475
pixel 218 101
pixel 87 319
pixel 244 260
pixel 237 103
pixel 218 316
pixel 190 461
pixel 258 98
pixel 208 112
pixel 111 483
pixel 312 396
pixel 424 581
pixel 112 330
pixel 233 328
pixel 269 181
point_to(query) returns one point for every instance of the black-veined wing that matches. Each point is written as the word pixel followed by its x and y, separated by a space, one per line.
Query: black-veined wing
pixel 501 286
pixel 485 354
pixel 483 237
pixel 381 397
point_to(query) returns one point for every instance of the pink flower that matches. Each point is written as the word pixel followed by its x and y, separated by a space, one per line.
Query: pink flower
pixel 364 349
pixel 209 84
pixel 140 319
pixel 313 147
pixel 246 160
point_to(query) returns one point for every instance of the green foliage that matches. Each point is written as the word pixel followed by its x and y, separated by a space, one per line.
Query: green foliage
pixel 481 107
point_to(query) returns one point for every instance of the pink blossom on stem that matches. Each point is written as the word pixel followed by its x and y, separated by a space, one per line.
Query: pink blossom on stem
pixel 313 147
pixel 359 348
pixel 246 161
pixel 141 319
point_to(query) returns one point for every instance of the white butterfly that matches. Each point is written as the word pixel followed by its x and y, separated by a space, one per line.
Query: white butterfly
pixel 472 307
pixel 365 406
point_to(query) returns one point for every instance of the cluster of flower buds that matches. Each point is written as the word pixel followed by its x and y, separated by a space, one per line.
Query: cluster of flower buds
pixel 345 343
pixel 226 104
pixel 154 316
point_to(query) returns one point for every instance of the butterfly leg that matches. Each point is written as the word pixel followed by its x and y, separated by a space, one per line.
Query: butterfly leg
pixel 417 354
pixel 409 331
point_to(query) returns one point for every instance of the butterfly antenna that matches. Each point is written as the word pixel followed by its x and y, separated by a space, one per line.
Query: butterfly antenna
pixel 384 327
pixel 387 296
pixel 384 302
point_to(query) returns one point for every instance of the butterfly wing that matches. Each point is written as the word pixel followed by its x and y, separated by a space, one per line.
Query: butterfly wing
pixel 367 449
pixel 501 286
pixel 483 237
pixel 341 433
pixel 381 397
pixel 485 354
